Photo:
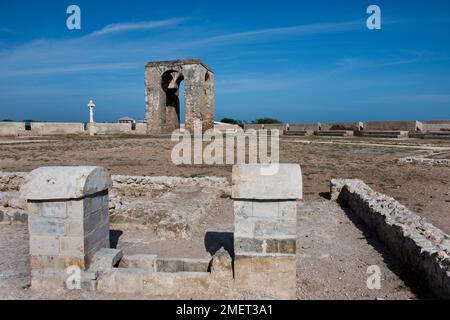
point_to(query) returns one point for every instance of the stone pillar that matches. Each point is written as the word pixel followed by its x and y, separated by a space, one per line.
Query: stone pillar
pixel 91 106
pixel 91 125
pixel 68 220
pixel 265 211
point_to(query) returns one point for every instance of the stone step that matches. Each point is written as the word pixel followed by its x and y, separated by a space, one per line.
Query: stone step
pixel 436 136
pixel 334 133
pixel 298 132
pixel 439 133
pixel 384 134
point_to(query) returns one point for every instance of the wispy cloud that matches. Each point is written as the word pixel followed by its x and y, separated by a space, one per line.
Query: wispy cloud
pixel 99 50
pixel 143 25
pixel 402 57
pixel 298 30
pixel 72 69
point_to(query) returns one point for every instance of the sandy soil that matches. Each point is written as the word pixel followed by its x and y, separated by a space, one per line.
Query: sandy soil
pixel 425 190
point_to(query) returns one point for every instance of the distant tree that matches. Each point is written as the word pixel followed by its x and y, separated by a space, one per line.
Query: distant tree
pixel 229 120
pixel 266 121
pixel 28 121
pixel 7 120
pixel 240 123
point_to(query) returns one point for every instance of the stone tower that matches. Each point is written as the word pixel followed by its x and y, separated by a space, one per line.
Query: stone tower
pixel 162 103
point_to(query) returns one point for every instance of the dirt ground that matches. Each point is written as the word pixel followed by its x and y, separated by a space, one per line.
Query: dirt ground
pixel 334 248
pixel 424 189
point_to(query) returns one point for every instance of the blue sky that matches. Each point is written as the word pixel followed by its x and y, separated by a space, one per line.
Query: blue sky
pixel 297 61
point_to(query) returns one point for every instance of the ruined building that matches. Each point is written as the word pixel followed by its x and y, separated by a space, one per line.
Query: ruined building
pixel 162 95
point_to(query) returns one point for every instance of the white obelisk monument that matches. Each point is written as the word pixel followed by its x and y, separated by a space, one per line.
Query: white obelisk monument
pixel 91 106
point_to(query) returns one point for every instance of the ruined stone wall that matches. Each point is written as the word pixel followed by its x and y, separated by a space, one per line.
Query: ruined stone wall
pixel 436 125
pixel 110 128
pixel 56 128
pixel 415 242
pixel 352 126
pixel 280 127
pixel 410 126
pixel 306 126
pixel 168 205
pixel 162 82
pixel 12 129
pixel 41 128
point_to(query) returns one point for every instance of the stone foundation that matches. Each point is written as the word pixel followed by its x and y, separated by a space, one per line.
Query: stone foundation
pixel 69 227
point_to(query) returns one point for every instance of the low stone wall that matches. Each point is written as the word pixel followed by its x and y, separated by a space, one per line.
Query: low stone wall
pixel 351 126
pixel 11 181
pixel 14 129
pixel 11 129
pixel 56 128
pixel 150 275
pixel 418 244
pixel 41 128
pixel 110 128
pixel 280 127
pixel 436 125
pixel 424 161
pixel 304 126
pixel 12 207
pixel 170 206
pixel 411 126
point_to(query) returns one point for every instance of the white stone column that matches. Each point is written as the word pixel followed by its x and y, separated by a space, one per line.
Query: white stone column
pixel 265 229
pixel 68 220
pixel 91 106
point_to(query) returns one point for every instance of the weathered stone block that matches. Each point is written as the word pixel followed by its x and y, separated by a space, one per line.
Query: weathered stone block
pixel 55 183
pixel 44 262
pixel 129 280
pixel 94 203
pixel 93 239
pixel 75 227
pixel 274 229
pixel 54 209
pixel 169 265
pixel 243 228
pixel 265 209
pixel 288 210
pixel 72 246
pixel 243 208
pixel 141 261
pixel 249 183
pixel 41 245
pixel 284 246
pixel 75 210
pixel 248 245
pixel 222 270
pixel 195 265
pixel 266 274
pixel 46 226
